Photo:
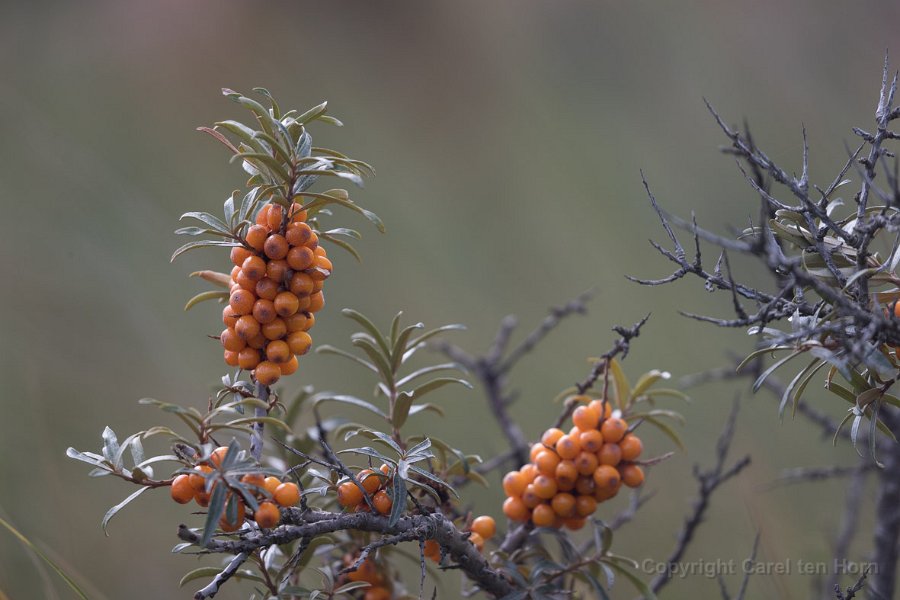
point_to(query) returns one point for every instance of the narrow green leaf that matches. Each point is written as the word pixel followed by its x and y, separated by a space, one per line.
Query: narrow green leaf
pixel 351 400
pixel 115 509
pixel 204 296
pixel 200 244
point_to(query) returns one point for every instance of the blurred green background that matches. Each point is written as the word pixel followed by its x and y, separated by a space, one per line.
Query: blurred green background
pixel 508 138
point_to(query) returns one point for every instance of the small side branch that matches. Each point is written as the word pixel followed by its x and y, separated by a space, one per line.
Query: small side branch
pixel 213 587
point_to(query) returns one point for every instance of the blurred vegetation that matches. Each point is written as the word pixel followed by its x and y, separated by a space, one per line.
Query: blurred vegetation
pixel 507 138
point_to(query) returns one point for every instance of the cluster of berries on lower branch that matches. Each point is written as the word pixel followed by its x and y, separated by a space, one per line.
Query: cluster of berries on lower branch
pixel 570 473
pixel 271 493
pixel 276 288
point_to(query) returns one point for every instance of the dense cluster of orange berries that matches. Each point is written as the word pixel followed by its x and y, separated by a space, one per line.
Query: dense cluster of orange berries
pixel 482 529
pixel 368 572
pixel 351 497
pixel 570 473
pixel 276 287
pixel 270 491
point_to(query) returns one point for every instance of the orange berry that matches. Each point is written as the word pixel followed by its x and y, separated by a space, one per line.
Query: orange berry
pixel 299 342
pixel 287 494
pixel 514 483
pixel 276 270
pixel 313 241
pixel 245 282
pixel 267 515
pixel 231 341
pixel 385 469
pixel 566 474
pixel 574 523
pixel 546 461
pixel 267 372
pixel 563 504
pixel 256 236
pixel 297 322
pixel 271 484
pixel 246 327
pixel 290 367
pixel 585 418
pixel 591 440
pixel 286 304
pixel 515 510
pixel 568 447
pixel 278 351
pixel 603 494
pixel 382 502
pixel 254 479
pixel 274 217
pixel 477 540
pixel 231 358
pixel 316 302
pixel 601 408
pixel 181 491
pixel 610 454
pixel 248 358
pixel 266 288
pixel 606 477
pixel 632 475
pixel 536 449
pixel 218 455
pixel 301 284
pixel 258 342
pixel 254 268
pixel 551 436
pixel 262 217
pixel 613 429
pixel 301 258
pixel 631 446
pixel 296 213
pixel 369 480
pixel 241 301
pixel 264 311
pixel 229 319
pixel 529 472
pixel 432 550
pixel 348 494
pixel 274 330
pixel 239 254
pixel 543 516
pixel 202 499
pixel 545 487
pixel 530 496
pixel 298 234
pixel 323 269
pixel 197 480
pixel 585 505
pixel 228 526
pixel 276 247
pixel 586 463
pixel 586 485
pixel 485 526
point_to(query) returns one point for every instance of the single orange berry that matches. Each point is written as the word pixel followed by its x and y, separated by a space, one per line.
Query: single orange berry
pixel 241 301
pixel 299 342
pixel 610 454
pixel 382 502
pixel 229 526
pixel 563 504
pixel 606 477
pixel 254 479
pixel 239 254
pixel 267 372
pixel 551 436
pixel 543 516
pixel 286 304
pixel 181 491
pixel 278 351
pixel 245 282
pixel 613 429
pixel 231 358
pixel 586 485
pixel 297 322
pixel 258 342
pixel 432 550
pixel 631 446
pixel 264 311
pixel 603 494
pixel 267 515
pixel 514 483
pixel 276 270
pixel 248 358
pixel 275 216
pixel 632 475
pixel 298 234
pixel 301 284
pixel 254 268
pixel 313 241
pixel 585 505
pixel 369 480
pixel 316 302
pixel 568 447
pixel 485 526
pixel 323 269
pixel 477 540
pixel 262 217
pixel 276 248
pixel 601 408
pixel 287 494
pixel 591 440
pixel 231 341
pixel 536 449
pixel 566 474
pixel 296 213
pixel 274 330
pixel 229 319
pixel 545 487
pixel 585 418
pixel 586 463
pixel 218 455
pixel 246 327
pixel 529 472
pixel 348 494
pixel 530 497
pixel 270 484
pixel 290 367
pixel 197 480
pixel 514 508
pixel 266 288
pixel 546 461
pixel 256 236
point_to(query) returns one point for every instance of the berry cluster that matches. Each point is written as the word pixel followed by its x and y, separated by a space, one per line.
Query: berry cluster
pixel 276 287
pixel 351 497
pixel 271 493
pixel 570 473
pixel 368 572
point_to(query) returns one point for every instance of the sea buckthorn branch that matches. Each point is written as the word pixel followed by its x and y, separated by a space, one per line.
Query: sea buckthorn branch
pixel 492 369
pixel 708 482
pixel 212 588
pixel 313 523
